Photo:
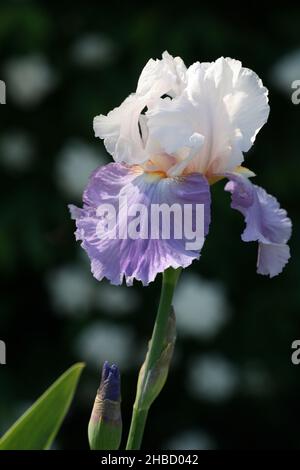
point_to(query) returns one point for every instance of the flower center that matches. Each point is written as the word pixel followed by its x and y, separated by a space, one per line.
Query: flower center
pixel 152 176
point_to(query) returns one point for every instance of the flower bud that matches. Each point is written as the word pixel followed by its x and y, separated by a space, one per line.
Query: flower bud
pixel 105 426
pixel 157 375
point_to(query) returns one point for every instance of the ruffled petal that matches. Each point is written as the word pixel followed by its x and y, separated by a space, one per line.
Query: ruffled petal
pixel 149 251
pixel 272 258
pixel 123 129
pixel 120 130
pixel 247 103
pixel 165 76
pixel 234 89
pixel 172 124
pixel 265 221
pixel 223 102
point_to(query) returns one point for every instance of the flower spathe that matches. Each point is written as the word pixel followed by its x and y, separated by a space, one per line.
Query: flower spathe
pixel 183 129
pixel 105 425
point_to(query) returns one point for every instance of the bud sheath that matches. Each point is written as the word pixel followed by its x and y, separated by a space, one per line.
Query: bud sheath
pixel 105 426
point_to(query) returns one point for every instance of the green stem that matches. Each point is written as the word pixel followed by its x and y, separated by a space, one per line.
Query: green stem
pixel 137 427
pixel 139 415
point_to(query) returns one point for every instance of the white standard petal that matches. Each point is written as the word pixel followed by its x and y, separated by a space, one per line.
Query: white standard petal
pixel 224 102
pixel 122 129
pixel 246 103
pixel 165 76
pixel 175 123
pixel 171 124
pixel 226 82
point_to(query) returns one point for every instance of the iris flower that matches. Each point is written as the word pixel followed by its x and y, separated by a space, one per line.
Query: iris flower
pixel 181 131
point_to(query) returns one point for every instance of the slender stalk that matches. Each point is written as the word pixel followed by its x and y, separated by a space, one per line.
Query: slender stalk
pixel 137 427
pixel 140 413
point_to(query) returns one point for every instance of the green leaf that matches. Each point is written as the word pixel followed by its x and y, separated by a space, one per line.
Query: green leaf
pixel 37 427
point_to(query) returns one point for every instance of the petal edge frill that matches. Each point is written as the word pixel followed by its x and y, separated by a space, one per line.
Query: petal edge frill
pixel 144 257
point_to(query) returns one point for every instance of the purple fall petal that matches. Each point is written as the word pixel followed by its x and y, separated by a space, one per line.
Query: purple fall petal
pixel 265 221
pixel 272 258
pixel 141 258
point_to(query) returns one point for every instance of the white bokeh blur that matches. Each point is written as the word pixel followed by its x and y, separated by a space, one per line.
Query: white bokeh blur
pixel 116 300
pixel 75 163
pixel 16 150
pixel 213 378
pixel 190 439
pixel 201 306
pixel 29 79
pixel 73 291
pixel 104 341
pixel 286 70
pixel 93 49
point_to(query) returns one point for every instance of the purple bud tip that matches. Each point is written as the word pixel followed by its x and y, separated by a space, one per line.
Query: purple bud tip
pixel 110 382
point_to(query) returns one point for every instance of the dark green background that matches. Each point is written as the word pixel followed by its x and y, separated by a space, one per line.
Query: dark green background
pixel 37 235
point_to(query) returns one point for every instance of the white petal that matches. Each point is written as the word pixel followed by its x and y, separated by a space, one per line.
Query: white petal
pixel 173 123
pixel 223 102
pixel 165 76
pixel 121 129
pixel 246 103
pixel 237 105
pixel 194 144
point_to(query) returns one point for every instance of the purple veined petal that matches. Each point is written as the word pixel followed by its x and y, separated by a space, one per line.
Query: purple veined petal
pixel 110 382
pixel 266 222
pixel 146 256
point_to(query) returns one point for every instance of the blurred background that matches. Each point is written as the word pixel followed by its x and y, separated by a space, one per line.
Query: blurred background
pixel 232 383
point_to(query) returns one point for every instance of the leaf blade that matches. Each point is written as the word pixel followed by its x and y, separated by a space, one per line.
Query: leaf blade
pixel 38 426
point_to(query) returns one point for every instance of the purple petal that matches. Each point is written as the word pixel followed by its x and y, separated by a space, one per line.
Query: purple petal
pixel 110 382
pixel 265 221
pixel 144 257
pixel 272 258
